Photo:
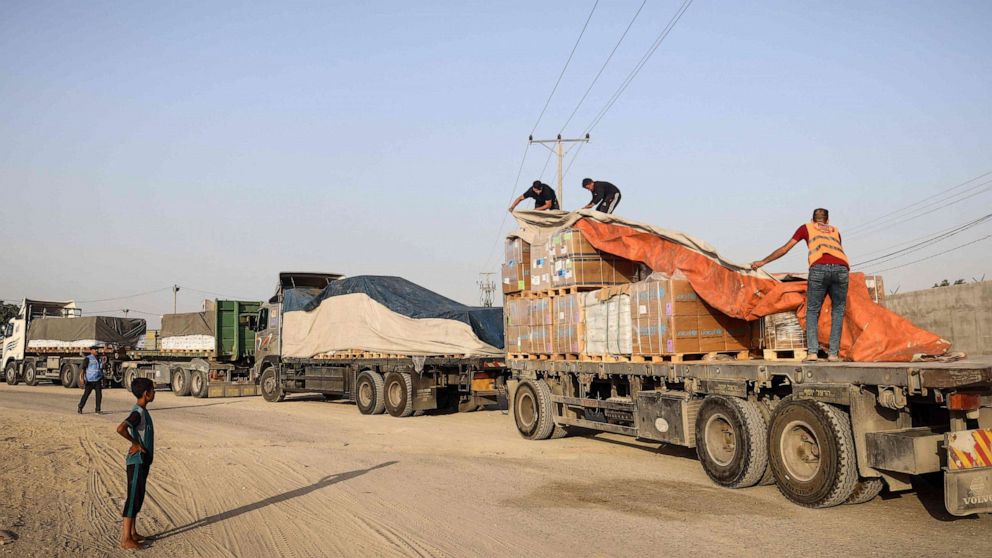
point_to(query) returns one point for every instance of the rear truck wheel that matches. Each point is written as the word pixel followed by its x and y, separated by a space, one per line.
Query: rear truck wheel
pixel 30 373
pixel 866 490
pixel 10 373
pixel 180 382
pixel 369 394
pixel 67 375
pixel 533 411
pixel 731 441
pixel 765 406
pixel 399 394
pixel 198 384
pixel 271 390
pixel 811 450
pixel 129 375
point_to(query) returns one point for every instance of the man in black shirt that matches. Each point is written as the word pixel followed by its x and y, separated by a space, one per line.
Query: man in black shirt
pixel 543 195
pixel 606 195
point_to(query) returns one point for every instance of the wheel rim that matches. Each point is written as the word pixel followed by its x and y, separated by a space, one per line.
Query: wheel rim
pixel 177 382
pixel 526 409
pixel 395 394
pixel 365 394
pixel 269 384
pixel 10 373
pixel 29 374
pixel 721 440
pixel 800 450
pixel 197 383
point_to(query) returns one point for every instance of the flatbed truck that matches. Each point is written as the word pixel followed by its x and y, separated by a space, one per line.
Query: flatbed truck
pixel 400 385
pixel 824 433
pixel 224 370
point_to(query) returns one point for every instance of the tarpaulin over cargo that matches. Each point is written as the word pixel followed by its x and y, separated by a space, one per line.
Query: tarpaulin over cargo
pixel 103 330
pixel 385 315
pixel 189 323
pixel 871 332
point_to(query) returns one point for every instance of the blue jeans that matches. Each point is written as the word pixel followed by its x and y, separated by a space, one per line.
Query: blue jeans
pixel 823 280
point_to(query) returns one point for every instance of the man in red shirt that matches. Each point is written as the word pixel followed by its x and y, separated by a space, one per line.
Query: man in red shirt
pixel 828 274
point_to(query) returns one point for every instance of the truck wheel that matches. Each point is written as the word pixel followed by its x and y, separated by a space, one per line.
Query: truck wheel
pixel 10 373
pixel 399 394
pixel 180 382
pixel 765 406
pixel 533 411
pixel 731 441
pixel 198 384
pixel 369 393
pixel 271 390
pixel 68 376
pixel 866 490
pixel 30 373
pixel 129 375
pixel 811 449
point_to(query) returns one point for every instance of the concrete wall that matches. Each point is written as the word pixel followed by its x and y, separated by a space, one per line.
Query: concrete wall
pixel 961 314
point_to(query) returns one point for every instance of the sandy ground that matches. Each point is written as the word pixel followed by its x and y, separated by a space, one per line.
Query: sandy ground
pixel 242 477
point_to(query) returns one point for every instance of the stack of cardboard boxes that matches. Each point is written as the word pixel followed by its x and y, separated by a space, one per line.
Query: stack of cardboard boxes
pixel 516 266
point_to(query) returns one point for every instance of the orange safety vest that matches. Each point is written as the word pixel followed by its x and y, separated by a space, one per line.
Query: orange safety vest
pixel 824 239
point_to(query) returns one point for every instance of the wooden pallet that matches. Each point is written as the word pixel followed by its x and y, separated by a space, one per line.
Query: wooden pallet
pixel 556 291
pixel 530 356
pixel 676 357
pixel 352 355
pixel 784 354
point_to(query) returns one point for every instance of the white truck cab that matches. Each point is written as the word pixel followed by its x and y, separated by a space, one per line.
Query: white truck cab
pixel 15 332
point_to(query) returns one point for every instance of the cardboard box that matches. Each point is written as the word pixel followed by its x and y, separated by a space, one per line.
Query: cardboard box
pixel 516 266
pixel 607 322
pixel 569 325
pixel 540 267
pixel 876 288
pixel 570 242
pixel 592 271
pixel 518 339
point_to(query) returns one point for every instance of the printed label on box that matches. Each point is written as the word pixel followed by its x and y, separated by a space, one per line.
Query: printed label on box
pixel 668 308
pixel 642 309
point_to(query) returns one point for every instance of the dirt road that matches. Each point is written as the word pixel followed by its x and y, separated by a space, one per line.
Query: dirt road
pixel 242 477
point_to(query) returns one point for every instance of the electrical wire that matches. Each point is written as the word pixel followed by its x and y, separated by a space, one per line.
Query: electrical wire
pixel 136 295
pixel 502 223
pixel 925 211
pixel 565 67
pixel 925 243
pixel 875 221
pixel 976 241
pixel 603 67
pixel 211 293
pixel 640 65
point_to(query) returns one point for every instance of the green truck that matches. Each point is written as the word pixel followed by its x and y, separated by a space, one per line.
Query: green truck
pixel 203 354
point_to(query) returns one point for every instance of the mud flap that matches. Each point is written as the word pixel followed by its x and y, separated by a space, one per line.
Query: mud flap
pixel 968 476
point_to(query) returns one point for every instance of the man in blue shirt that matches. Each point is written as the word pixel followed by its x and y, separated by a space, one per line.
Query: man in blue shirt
pixel 93 371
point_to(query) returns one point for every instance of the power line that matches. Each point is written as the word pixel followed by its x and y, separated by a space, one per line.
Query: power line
pixel 924 200
pixel 640 64
pixel 929 242
pixel 565 67
pixel 123 297
pixel 603 67
pixel 211 293
pixel 906 242
pixel 923 211
pixel 502 223
pixel 937 254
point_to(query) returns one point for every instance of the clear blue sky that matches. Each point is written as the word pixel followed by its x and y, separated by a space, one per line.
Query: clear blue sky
pixel 214 144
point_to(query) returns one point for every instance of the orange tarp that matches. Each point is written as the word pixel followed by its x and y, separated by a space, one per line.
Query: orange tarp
pixel 871 332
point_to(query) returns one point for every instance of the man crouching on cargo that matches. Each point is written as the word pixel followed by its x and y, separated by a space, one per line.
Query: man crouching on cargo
pixel 137 428
pixel 828 270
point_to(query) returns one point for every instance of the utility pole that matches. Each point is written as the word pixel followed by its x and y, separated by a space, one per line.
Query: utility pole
pixel 175 290
pixel 487 288
pixel 559 150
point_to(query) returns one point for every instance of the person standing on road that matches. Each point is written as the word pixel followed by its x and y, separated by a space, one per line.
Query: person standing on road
pixel 138 429
pixel 828 274
pixel 605 196
pixel 93 376
pixel 543 195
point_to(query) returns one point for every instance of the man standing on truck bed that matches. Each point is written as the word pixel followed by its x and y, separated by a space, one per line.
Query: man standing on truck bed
pixel 93 372
pixel 543 195
pixel 606 195
pixel 828 269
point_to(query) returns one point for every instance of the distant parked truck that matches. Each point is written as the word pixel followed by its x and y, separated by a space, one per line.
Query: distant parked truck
pixel 49 340
pixel 203 354
pixel 401 381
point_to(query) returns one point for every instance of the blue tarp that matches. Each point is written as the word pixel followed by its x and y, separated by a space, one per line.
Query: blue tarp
pixel 405 298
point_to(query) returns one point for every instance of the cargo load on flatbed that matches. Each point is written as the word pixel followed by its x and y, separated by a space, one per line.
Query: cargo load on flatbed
pixel 192 331
pixel 85 332
pixel 385 315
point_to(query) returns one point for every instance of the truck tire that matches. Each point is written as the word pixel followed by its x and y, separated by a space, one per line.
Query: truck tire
pixel 532 410
pixel 30 373
pixel 269 384
pixel 398 393
pixel 129 375
pixel 766 408
pixel 866 490
pixel 811 450
pixel 180 382
pixel 198 384
pixel 10 373
pixel 731 441
pixel 369 394
pixel 68 376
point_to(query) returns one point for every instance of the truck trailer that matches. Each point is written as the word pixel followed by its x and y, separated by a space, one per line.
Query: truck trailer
pixel 203 354
pixel 48 341
pixel 377 380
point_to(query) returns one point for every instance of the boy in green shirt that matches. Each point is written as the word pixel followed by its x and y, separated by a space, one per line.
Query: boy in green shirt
pixel 137 428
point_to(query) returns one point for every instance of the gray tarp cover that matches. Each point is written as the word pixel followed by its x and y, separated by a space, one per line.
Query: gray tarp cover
pixel 190 323
pixel 106 329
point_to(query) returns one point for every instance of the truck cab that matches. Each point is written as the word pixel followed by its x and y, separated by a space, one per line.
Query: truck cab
pixel 15 334
pixel 269 319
